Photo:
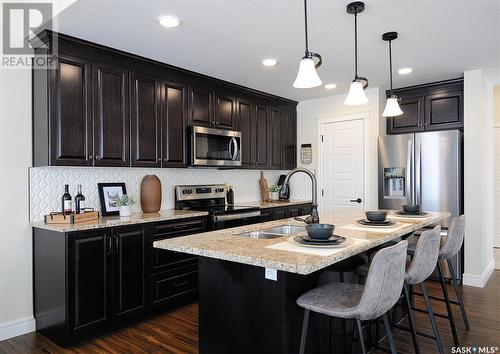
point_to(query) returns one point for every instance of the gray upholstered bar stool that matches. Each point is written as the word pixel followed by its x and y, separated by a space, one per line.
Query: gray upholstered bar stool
pixel 450 248
pixel 423 263
pixel 362 303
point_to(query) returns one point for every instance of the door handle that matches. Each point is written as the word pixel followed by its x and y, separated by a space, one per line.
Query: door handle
pixel 109 246
pixel 117 241
pixel 359 200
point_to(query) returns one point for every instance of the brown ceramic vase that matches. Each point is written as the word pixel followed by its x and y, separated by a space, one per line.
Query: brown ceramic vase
pixel 150 194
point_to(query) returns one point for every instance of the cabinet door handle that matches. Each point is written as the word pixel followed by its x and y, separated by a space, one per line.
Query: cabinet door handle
pixel 97 157
pixel 91 157
pixel 164 160
pixel 185 282
pixel 117 243
pixel 109 245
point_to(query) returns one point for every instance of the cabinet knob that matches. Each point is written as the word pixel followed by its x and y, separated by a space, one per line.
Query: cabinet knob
pixel 159 160
pixel 97 157
pixel 164 160
pixel 91 157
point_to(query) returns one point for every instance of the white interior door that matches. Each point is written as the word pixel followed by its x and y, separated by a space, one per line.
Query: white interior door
pixel 342 166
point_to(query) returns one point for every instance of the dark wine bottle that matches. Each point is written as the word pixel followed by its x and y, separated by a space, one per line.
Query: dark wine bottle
pixel 79 201
pixel 230 196
pixel 66 200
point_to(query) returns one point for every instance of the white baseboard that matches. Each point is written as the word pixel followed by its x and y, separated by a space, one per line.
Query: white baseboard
pixel 479 280
pixel 16 328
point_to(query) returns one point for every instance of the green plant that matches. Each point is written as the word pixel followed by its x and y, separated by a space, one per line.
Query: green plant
pixel 273 189
pixel 125 200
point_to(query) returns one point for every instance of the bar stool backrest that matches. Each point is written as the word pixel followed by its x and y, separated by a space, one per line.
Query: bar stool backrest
pixel 384 282
pixel 425 258
pixel 454 239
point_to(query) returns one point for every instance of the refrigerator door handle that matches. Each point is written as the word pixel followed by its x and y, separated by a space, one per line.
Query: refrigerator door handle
pixel 418 171
pixel 409 173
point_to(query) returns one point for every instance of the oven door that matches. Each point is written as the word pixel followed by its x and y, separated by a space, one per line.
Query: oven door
pixel 234 220
pixel 215 147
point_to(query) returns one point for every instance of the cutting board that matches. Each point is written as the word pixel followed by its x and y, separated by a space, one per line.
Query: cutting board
pixel 264 187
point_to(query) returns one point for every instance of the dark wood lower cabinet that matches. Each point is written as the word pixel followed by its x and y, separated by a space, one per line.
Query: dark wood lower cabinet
pixel 285 212
pixel 87 282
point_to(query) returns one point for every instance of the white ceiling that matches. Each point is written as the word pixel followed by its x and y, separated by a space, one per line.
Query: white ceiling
pixel 228 38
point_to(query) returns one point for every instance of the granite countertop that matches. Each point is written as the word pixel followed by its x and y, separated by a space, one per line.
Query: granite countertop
pixel 276 204
pixel 227 245
pixel 113 221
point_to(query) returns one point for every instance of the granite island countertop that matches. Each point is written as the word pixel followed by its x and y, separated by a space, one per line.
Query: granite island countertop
pixel 114 221
pixel 228 245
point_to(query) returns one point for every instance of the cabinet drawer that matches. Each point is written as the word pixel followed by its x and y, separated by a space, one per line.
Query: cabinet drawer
pixel 162 260
pixel 174 285
pixel 179 228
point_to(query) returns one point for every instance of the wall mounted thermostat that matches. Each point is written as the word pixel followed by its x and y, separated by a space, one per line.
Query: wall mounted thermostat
pixel 306 154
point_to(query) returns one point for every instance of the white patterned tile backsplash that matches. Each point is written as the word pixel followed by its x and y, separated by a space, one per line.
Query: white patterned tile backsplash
pixel 47 184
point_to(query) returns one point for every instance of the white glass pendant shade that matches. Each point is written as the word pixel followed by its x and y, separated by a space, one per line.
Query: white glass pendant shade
pixel 356 94
pixel 392 108
pixel 307 76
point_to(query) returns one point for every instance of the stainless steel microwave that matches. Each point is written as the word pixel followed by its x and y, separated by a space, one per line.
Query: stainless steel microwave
pixel 215 147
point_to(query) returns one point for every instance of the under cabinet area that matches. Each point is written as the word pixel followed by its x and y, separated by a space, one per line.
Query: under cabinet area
pixel 93 280
pixel 98 106
pixel 429 107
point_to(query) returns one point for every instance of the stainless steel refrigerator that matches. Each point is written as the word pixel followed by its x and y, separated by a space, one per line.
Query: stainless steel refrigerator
pixel 425 169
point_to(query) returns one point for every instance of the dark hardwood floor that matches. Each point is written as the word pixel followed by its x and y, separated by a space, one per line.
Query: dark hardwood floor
pixel 177 331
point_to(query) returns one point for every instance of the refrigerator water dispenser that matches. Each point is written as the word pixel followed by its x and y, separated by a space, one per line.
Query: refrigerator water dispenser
pixel 394 183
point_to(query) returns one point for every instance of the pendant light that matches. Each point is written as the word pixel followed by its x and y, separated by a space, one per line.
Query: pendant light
pixel 392 108
pixel 356 94
pixel 307 77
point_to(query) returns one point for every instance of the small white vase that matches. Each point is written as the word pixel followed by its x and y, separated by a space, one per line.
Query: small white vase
pixel 125 211
pixel 274 195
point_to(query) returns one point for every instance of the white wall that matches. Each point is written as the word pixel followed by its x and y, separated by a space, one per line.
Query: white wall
pixel 308 112
pixel 15 231
pixel 478 178
pixel 496 167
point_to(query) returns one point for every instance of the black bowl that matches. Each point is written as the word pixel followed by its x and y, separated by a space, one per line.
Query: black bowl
pixel 320 231
pixel 376 215
pixel 411 208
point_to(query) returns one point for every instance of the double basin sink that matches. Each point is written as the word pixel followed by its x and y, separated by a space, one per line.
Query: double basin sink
pixel 274 232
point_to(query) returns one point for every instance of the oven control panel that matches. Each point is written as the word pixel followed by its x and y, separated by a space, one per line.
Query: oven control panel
pixel 200 192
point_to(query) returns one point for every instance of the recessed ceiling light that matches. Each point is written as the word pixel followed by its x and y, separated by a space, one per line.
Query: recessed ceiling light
pixel 330 86
pixel 169 21
pixel 269 62
pixel 405 71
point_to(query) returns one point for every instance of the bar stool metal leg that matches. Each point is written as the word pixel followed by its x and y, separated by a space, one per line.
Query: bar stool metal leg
pixel 459 295
pixel 303 336
pixel 428 304
pixel 361 336
pixel 448 305
pixel 406 302
pixel 388 332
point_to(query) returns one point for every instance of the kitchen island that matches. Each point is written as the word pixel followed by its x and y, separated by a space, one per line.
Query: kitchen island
pixel 248 287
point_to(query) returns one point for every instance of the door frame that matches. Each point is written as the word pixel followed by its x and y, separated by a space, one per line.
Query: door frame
pixel 365 117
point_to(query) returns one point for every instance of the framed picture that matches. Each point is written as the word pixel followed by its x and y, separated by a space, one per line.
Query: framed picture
pixel 108 194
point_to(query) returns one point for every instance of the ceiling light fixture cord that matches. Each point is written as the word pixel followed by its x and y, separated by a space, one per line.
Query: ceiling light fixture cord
pixel 356 46
pixel 305 22
pixel 390 63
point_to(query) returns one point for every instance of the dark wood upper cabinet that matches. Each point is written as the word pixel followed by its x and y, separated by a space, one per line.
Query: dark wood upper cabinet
pixel 111 115
pixel 70 112
pixel 173 122
pixel 145 125
pixel 412 119
pixel 201 106
pixel 225 110
pixel 276 140
pixel 444 110
pixel 98 106
pixel 428 107
pixel 260 130
pixel 130 263
pixel 289 127
pixel 245 120
pixel 88 280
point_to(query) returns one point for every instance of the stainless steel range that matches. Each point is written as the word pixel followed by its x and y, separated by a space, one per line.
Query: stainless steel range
pixel 212 198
